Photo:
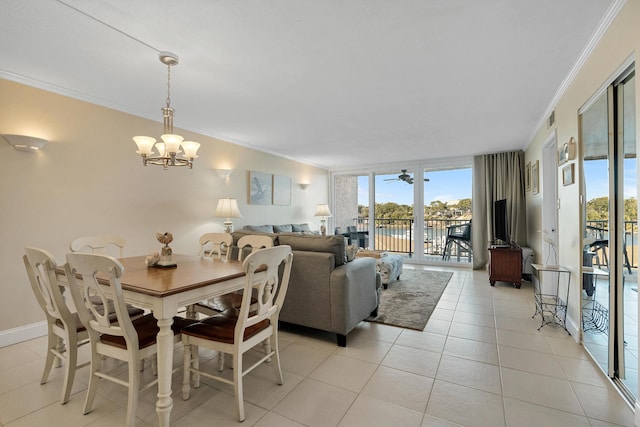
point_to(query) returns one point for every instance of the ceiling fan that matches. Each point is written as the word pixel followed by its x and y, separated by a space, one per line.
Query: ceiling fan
pixel 404 176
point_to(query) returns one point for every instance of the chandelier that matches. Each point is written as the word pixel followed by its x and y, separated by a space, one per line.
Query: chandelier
pixel 169 149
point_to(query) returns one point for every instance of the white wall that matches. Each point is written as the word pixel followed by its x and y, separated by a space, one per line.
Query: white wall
pixel 89 180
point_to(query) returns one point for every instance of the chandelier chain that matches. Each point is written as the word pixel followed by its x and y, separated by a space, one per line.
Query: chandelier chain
pixel 168 100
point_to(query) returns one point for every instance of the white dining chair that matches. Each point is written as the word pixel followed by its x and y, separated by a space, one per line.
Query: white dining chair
pixel 214 306
pixel 122 338
pixel 236 333
pixel 105 244
pixel 99 244
pixel 65 331
pixel 220 245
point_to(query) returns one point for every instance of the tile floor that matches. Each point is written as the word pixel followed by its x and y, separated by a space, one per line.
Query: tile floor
pixel 479 362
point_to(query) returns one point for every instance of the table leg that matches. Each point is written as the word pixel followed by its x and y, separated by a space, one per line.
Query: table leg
pixel 165 365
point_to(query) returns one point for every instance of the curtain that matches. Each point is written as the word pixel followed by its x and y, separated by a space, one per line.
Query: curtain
pixel 497 176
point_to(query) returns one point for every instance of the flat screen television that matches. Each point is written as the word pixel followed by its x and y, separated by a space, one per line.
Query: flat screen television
pixel 500 222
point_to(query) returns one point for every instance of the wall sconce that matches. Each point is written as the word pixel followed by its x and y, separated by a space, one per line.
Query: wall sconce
pixel 304 185
pixel 224 173
pixel 25 143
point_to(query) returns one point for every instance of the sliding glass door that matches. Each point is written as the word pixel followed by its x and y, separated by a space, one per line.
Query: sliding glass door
pixel 409 210
pixel 610 232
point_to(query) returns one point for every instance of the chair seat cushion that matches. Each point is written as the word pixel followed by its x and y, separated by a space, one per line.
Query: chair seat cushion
pixel 76 318
pixel 147 329
pixel 222 327
pixel 224 302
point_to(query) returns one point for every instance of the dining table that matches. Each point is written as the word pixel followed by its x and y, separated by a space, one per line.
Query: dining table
pixel 165 290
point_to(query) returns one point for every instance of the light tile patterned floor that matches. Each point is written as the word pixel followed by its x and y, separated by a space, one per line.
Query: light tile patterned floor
pixel 479 362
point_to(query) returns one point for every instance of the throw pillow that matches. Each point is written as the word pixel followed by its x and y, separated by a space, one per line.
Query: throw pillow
pixel 260 228
pixel 300 228
pixel 285 228
pixel 352 250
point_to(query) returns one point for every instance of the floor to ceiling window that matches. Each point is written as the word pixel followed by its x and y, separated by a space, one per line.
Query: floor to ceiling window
pixel 381 204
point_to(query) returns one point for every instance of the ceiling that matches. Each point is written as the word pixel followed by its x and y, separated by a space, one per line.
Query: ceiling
pixel 338 84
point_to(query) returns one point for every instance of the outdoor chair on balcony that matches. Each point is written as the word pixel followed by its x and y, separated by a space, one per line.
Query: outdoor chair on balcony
pixel 597 243
pixel 458 237
pixel 360 238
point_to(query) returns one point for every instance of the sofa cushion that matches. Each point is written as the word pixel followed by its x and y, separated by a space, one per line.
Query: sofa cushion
pixel 284 228
pixel 259 228
pixel 306 242
pixel 300 228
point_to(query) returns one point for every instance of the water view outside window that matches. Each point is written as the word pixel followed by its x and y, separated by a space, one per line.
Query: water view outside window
pixel 447 202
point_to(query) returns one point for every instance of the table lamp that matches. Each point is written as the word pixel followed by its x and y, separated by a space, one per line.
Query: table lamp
pixel 323 212
pixel 228 208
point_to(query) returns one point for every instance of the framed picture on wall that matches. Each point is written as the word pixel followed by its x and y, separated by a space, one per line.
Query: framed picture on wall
pixel 527 176
pixel 568 176
pixel 260 188
pixel 281 190
pixel 535 178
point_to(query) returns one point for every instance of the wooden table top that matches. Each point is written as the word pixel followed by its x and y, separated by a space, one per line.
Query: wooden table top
pixel 191 272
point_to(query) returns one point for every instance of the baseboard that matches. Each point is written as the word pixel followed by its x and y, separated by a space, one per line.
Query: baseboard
pixel 23 333
pixel 574 329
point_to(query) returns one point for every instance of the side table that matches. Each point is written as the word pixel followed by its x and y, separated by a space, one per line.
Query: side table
pixel 549 302
pixel 505 265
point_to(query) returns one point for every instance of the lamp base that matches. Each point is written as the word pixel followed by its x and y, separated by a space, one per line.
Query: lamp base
pixel 323 228
pixel 228 227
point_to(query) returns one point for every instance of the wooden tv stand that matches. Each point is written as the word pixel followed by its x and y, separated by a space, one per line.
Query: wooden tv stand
pixel 505 265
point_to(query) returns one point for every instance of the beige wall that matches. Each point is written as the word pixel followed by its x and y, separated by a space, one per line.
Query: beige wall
pixel 89 180
pixel 620 42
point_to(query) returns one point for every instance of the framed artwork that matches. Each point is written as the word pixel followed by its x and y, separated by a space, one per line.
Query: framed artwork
pixel 281 190
pixel 260 188
pixel 568 176
pixel 567 151
pixel 527 176
pixel 535 178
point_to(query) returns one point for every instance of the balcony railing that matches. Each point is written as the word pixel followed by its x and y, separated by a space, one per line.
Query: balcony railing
pixel 598 229
pixel 398 235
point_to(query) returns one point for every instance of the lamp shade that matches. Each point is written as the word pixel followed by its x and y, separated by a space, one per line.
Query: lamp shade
pixel 228 208
pixel 323 210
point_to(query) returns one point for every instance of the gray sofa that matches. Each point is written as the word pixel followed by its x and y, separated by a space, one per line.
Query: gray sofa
pixel 325 291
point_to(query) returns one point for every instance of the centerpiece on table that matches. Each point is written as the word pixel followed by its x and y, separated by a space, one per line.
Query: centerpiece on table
pixel 163 259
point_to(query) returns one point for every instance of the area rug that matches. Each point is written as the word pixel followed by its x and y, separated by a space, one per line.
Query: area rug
pixel 409 302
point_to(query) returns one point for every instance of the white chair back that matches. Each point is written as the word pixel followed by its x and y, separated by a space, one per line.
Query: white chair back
pixel 41 266
pixel 268 288
pixel 90 298
pixel 64 328
pixel 220 242
pixel 99 244
pixel 255 242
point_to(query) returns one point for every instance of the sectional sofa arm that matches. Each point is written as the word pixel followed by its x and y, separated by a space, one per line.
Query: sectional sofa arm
pixel 353 293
